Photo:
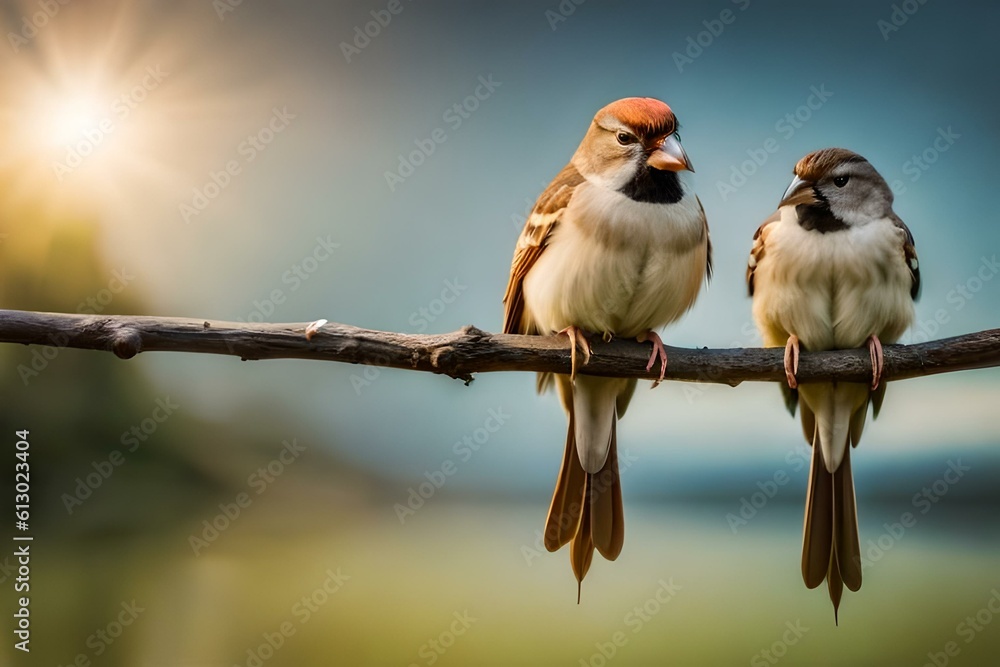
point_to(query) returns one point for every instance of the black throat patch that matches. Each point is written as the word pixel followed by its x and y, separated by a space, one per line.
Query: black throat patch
pixel 654 186
pixel 818 217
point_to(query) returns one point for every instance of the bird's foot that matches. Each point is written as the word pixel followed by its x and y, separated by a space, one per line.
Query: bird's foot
pixel 792 361
pixel 878 361
pixel 658 352
pixel 577 339
pixel 313 328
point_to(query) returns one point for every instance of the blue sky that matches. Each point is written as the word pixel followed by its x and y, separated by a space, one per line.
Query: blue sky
pixel 772 81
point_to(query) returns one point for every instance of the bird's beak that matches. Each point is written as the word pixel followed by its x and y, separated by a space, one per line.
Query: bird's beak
pixel 670 156
pixel 798 192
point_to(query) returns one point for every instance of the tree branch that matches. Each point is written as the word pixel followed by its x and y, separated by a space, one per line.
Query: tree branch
pixel 460 354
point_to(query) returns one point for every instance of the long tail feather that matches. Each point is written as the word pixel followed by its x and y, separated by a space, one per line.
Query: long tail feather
pixel 586 510
pixel 830 544
pixel 568 503
pixel 817 534
pixel 835 584
pixel 848 548
pixel 581 551
pixel 607 513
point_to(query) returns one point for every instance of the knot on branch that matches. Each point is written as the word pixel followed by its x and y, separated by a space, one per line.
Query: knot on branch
pixel 126 343
pixel 474 334
pixel 447 354
pixel 443 361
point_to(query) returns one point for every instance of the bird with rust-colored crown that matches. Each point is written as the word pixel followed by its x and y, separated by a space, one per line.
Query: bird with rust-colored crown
pixel 617 245
pixel 833 268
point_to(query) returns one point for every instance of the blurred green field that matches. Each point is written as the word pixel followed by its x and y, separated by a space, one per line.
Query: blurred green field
pixel 686 591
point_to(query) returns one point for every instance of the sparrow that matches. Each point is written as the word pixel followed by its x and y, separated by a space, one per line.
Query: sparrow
pixel 833 268
pixel 617 245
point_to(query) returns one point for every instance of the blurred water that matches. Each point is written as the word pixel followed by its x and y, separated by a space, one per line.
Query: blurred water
pixel 466 584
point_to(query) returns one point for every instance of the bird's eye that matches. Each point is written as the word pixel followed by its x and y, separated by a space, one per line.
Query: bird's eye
pixel 841 181
pixel 624 138
pixel 677 136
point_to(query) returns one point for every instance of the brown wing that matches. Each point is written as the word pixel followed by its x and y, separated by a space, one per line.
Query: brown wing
pixel 791 396
pixel 543 220
pixel 910 256
pixel 757 252
pixel 708 240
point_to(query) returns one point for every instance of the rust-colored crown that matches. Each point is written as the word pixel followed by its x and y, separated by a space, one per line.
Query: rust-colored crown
pixel 819 163
pixel 644 115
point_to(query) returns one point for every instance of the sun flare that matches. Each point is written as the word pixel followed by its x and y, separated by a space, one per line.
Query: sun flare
pixel 72 137
pixel 97 114
pixel 69 119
